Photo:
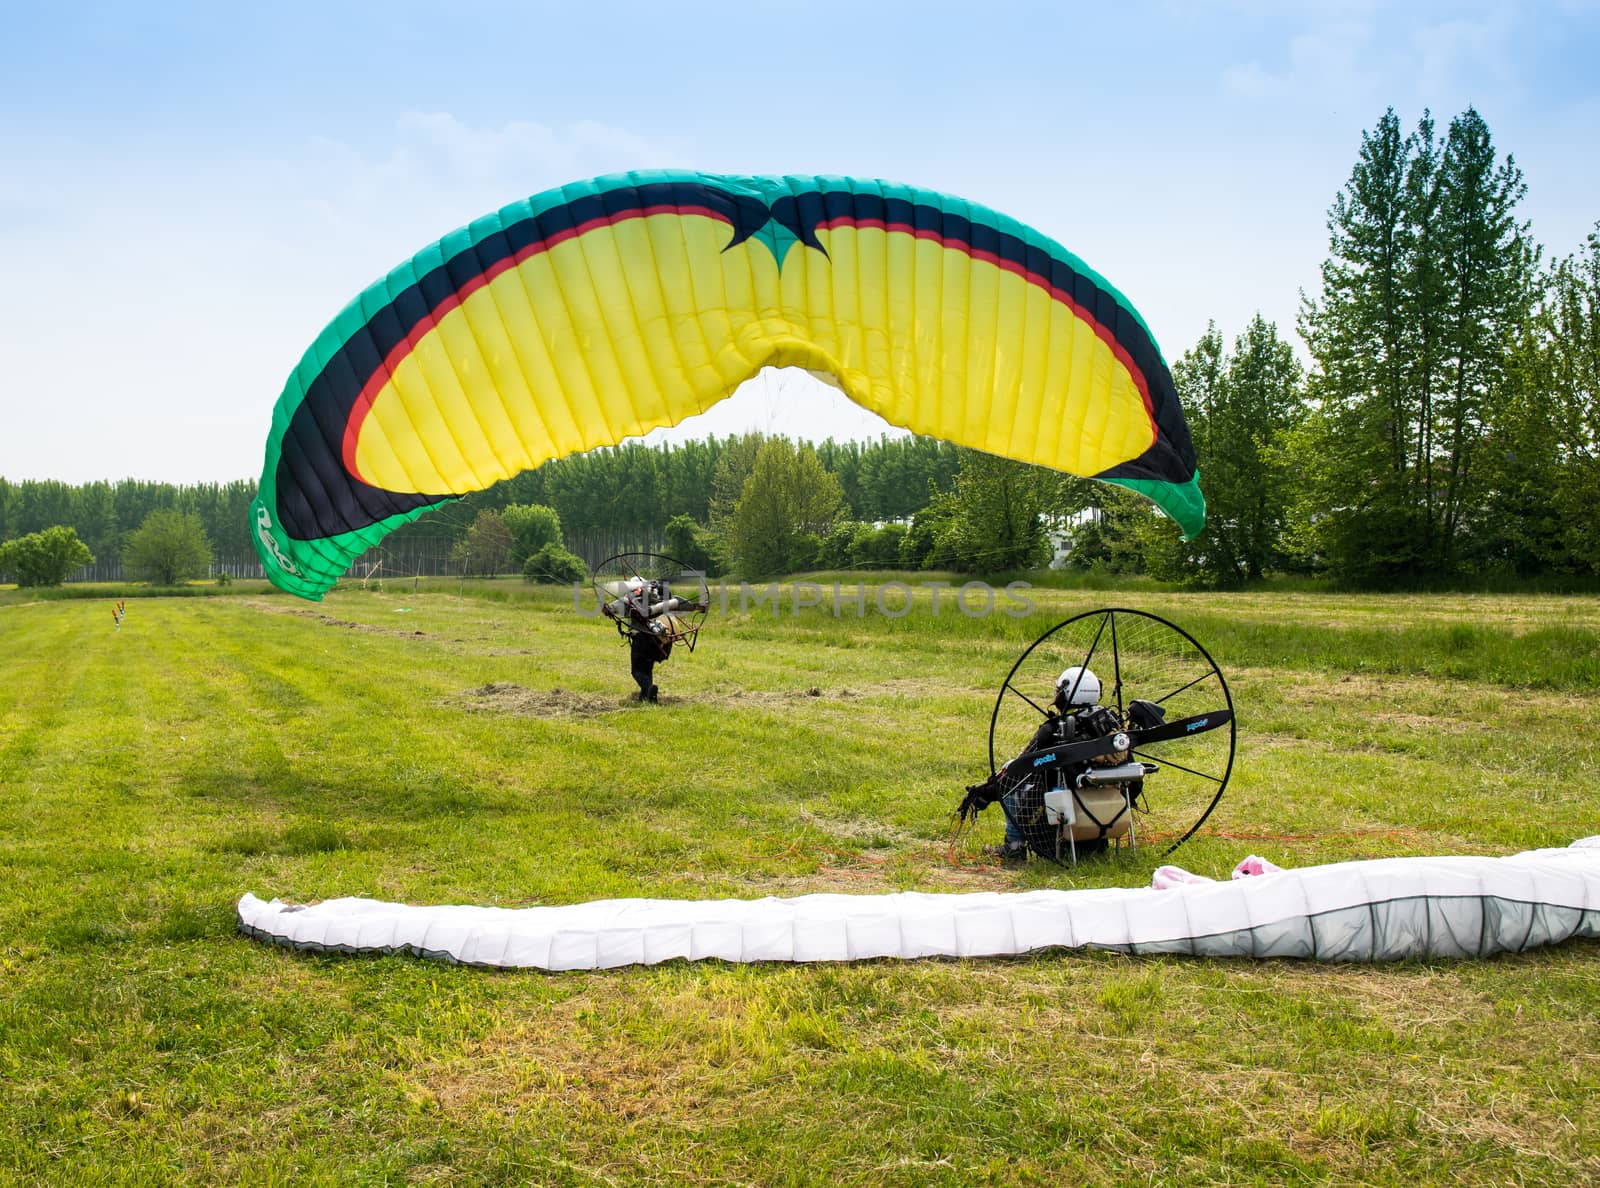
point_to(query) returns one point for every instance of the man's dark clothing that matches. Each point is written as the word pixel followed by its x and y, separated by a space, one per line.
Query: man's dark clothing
pixel 646 651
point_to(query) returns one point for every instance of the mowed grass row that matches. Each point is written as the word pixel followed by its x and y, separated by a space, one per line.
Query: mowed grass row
pixel 474 744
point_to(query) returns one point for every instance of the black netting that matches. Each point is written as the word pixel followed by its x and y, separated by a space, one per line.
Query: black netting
pixel 1025 808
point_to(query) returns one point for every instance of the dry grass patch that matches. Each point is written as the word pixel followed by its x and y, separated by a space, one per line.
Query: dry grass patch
pixel 506 697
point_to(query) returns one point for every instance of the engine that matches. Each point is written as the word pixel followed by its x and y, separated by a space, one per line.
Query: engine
pixel 1068 810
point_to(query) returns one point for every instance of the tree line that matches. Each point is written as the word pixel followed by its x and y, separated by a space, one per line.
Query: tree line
pixel 638 489
pixel 105 514
pixel 631 493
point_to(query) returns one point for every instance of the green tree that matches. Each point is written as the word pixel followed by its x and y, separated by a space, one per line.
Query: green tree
pixel 992 520
pixel 1523 462
pixel 1357 511
pixel 486 548
pixel 689 543
pixel 1241 410
pixel 836 545
pixel 788 503
pixel 876 548
pixel 1121 533
pixel 1573 316
pixel 45 558
pixel 95 519
pixel 167 548
pixel 625 496
pixel 920 548
pixel 728 478
pixel 1488 267
pixel 1542 452
pixel 1427 282
pixel 843 460
pixel 532 526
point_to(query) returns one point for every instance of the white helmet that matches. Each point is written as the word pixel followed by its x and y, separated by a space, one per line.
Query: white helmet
pixel 1079 686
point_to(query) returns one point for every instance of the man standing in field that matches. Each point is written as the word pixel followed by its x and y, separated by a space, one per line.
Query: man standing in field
pixel 646 611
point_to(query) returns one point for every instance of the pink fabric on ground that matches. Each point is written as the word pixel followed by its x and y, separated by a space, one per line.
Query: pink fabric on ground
pixel 1255 865
pixel 1175 876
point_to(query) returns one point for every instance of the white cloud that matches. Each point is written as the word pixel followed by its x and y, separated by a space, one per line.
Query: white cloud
pixel 1434 55
pixel 1334 58
pixel 438 172
pixel 1463 54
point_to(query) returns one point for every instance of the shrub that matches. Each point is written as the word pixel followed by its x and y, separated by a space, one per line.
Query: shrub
pixel 554 564
pixel 836 544
pixel 877 548
pixel 532 526
pixel 45 558
pixel 917 543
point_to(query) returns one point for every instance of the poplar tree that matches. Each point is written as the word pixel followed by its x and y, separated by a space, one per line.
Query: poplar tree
pixel 788 503
pixel 1487 269
pixel 1542 454
pixel 1241 409
pixel 1427 281
pixel 1361 335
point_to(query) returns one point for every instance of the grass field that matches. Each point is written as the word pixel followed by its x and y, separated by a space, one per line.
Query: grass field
pixel 474 744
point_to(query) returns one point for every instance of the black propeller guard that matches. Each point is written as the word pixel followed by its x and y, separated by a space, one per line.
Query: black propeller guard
pixel 1136 656
pixel 682 626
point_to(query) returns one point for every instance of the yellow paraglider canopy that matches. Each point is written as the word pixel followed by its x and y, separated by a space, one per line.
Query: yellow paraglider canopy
pixel 598 312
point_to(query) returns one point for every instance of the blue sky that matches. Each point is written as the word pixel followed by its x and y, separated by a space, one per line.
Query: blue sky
pixel 188 193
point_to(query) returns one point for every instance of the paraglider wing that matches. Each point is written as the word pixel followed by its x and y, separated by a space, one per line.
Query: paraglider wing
pixel 1385 909
pixel 599 311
